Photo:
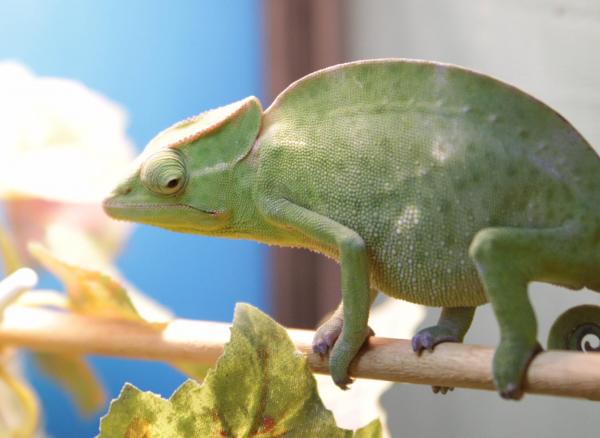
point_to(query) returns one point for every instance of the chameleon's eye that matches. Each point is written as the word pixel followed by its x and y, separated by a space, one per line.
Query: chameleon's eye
pixel 164 172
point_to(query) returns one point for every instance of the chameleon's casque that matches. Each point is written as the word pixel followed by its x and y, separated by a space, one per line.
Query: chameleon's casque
pixel 429 182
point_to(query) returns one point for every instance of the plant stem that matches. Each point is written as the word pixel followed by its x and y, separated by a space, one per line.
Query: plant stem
pixel 568 374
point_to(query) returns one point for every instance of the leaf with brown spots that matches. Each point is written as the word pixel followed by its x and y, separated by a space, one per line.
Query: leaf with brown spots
pixel 261 387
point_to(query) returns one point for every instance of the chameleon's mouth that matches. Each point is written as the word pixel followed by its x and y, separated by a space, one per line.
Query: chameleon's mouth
pixel 111 206
pixel 167 215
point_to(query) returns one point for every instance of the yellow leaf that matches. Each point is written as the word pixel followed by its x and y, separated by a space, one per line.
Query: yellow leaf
pixel 76 376
pixel 28 411
pixel 90 292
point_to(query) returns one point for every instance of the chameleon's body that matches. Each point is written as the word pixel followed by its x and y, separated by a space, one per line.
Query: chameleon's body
pixel 428 182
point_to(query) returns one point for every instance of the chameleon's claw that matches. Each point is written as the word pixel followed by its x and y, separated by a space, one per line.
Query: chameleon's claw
pixel 422 341
pixel 512 392
pixel 427 339
pixel 341 357
pixel 321 347
pixel 344 384
pixel 326 335
pixel 441 389
pixel 510 365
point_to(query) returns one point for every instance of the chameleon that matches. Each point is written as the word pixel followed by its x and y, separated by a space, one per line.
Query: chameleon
pixel 426 181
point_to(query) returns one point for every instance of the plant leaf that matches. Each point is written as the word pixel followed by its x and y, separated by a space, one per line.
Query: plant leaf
pixel 260 387
pixel 372 430
pixel 19 407
pixel 137 414
pixel 76 376
pixel 90 292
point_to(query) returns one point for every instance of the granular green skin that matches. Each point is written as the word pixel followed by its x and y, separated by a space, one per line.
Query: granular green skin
pixel 429 182
pixel 417 158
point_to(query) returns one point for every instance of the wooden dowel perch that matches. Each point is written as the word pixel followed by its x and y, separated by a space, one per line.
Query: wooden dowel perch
pixel 566 374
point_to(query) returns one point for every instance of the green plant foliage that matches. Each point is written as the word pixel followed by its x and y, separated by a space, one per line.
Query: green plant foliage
pixel 260 387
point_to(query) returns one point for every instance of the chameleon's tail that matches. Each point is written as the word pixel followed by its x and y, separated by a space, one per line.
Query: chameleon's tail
pixel 577 329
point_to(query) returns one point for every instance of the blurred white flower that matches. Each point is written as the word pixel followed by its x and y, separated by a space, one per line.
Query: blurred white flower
pixel 362 404
pixel 59 140
pixel 62 146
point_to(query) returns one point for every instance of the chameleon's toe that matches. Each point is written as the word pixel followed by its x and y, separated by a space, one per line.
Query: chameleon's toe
pixel 512 392
pixel 321 347
pixel 339 372
pixel 511 361
pixel 343 383
pixel 441 389
pixel 429 337
pixel 327 334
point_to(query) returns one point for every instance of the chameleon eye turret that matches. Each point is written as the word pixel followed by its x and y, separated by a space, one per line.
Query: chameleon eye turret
pixel 164 172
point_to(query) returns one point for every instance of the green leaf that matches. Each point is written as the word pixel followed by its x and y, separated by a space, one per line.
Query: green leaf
pixel 372 430
pixel 138 414
pixel 260 387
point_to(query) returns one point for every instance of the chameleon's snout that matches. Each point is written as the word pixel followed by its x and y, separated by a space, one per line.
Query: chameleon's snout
pixel 110 203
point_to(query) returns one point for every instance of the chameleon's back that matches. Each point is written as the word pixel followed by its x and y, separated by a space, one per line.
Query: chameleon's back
pixel 417 157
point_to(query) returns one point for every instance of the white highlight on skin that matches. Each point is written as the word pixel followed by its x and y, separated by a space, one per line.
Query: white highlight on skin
pixel 299 143
pixel 410 217
pixel 441 151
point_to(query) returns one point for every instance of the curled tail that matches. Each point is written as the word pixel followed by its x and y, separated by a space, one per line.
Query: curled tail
pixel 576 329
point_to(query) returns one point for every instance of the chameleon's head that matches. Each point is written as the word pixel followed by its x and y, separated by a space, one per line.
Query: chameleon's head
pixel 183 180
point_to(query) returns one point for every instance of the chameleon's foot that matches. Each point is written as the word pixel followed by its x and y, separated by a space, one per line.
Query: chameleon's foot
pixel 510 365
pixel 327 334
pixel 429 337
pixel 342 354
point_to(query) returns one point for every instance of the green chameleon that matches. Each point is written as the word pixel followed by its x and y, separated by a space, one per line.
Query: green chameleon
pixel 428 182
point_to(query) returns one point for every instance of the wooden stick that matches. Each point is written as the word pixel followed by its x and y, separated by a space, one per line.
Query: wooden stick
pixel 566 374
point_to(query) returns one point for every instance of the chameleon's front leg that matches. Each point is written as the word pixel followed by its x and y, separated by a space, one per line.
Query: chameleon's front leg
pixel 352 255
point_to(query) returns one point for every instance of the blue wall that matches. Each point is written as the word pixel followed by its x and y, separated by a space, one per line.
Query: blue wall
pixel 162 61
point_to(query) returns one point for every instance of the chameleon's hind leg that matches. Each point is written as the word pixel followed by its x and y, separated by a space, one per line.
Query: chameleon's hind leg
pixel 330 330
pixel 507 260
pixel 451 327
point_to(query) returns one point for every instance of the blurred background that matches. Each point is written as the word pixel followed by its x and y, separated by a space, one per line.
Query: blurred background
pixel 163 62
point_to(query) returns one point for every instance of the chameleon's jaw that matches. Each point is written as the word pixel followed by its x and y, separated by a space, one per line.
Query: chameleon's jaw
pixel 170 215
